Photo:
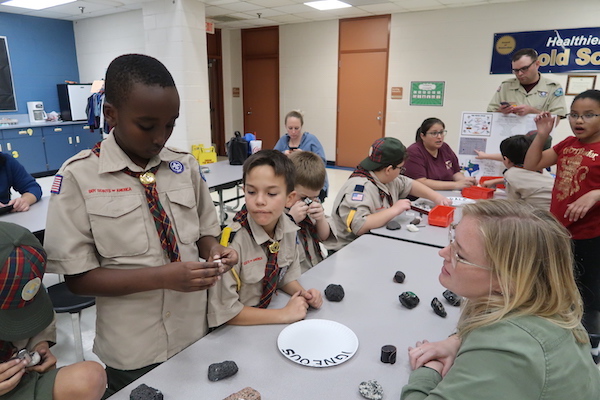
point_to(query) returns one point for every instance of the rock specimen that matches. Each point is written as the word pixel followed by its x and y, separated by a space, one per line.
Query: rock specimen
pixel 334 292
pixel 222 370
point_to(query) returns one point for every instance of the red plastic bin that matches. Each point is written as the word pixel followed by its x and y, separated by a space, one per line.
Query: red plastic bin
pixel 477 192
pixel 441 216
pixel 487 178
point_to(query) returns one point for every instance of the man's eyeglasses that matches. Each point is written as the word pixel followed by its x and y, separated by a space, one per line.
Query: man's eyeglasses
pixel 454 257
pixel 437 133
pixel 524 69
pixel 585 117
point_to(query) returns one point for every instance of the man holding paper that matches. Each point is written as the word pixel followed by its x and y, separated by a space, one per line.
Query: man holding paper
pixel 529 92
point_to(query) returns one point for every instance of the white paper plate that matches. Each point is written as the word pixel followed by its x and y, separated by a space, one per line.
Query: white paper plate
pixel 459 201
pixel 317 343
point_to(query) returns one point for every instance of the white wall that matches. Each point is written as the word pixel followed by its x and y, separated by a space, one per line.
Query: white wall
pixel 308 73
pixel 99 40
pixel 232 77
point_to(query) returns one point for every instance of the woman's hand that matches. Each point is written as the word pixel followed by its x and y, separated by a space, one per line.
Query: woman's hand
pixel 443 351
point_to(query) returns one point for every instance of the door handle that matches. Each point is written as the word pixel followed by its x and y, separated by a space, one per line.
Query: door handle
pixel 378 118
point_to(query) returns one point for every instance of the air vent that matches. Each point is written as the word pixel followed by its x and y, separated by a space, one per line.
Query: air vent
pixel 225 18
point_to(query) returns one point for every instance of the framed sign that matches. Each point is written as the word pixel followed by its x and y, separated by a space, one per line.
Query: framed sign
pixel 7 88
pixel 427 93
pixel 579 83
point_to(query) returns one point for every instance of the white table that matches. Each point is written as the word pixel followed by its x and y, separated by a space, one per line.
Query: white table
pixel 223 176
pixel 370 308
pixel 34 219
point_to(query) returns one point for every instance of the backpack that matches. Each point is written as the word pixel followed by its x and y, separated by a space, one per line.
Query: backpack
pixel 237 149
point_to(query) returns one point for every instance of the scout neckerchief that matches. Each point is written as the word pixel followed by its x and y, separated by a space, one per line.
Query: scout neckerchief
pixel 309 230
pixel 161 219
pixel 269 282
pixel 363 173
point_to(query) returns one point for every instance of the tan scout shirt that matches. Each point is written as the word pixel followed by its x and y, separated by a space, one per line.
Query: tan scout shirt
pixel 547 95
pixel 360 194
pixel 101 218
pixel 530 186
pixel 306 257
pixel 224 301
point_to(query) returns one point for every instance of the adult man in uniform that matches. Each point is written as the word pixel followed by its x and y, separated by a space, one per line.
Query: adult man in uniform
pixel 529 92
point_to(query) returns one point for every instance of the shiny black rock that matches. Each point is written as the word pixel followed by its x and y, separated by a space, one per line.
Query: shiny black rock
pixel 334 292
pixel 438 307
pixel 399 277
pixel 222 370
pixel 408 299
pixel 452 298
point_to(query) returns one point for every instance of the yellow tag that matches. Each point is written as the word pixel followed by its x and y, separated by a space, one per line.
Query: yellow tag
pixel 147 178
pixel 274 247
pixel 349 219
pixel 31 289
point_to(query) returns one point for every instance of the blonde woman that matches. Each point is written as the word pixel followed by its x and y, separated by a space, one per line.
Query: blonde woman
pixel 519 335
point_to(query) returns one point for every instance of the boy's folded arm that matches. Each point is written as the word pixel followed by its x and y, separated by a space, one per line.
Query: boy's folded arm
pixel 180 276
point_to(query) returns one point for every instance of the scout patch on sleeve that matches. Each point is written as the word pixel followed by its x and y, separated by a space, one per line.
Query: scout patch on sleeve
pixel 558 92
pixel 56 185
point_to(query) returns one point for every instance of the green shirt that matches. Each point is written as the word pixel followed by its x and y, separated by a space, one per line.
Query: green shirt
pixel 518 358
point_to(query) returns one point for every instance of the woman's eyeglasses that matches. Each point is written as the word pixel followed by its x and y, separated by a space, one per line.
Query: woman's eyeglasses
pixel 454 257
pixel 438 133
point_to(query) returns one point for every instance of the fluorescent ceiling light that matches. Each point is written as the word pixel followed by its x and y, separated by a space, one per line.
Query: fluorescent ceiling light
pixel 36 4
pixel 327 4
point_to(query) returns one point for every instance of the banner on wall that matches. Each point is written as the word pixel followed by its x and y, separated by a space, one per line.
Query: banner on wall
pixel 559 50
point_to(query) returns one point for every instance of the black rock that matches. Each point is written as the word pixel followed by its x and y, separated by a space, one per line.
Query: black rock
pixel 334 292
pixel 399 277
pixel 408 299
pixel 145 392
pixel 388 354
pixel 222 370
pixel 452 298
pixel 416 221
pixel 393 225
pixel 438 307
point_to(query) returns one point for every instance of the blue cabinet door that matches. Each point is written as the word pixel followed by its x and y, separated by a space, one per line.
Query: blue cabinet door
pixel 60 145
pixel 85 139
pixel 26 146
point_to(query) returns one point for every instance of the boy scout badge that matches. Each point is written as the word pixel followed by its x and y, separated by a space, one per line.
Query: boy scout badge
pixel 147 178
pixel 274 247
pixel 176 167
pixel 56 184
pixel 358 194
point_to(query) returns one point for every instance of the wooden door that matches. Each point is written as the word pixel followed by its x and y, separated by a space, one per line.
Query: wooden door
pixel 215 91
pixel 362 82
pixel 260 66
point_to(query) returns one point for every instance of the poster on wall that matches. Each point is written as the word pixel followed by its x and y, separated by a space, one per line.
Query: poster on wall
pixel 559 50
pixel 484 132
pixel 427 93
pixel 7 89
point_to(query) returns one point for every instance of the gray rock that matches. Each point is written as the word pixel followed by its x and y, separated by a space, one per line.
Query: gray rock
pixel 222 370
pixel 334 292
pixel 393 225
pixel 371 390
pixel 145 392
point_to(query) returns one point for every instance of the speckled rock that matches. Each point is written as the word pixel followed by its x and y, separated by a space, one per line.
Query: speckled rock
pixel 371 390
pixel 408 299
pixel 438 307
pixel 452 298
pixel 145 392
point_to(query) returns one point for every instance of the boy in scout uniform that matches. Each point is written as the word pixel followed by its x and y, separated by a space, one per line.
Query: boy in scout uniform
pixel 265 239
pixel 529 92
pixel 127 223
pixel 27 329
pixel 307 211
pixel 376 192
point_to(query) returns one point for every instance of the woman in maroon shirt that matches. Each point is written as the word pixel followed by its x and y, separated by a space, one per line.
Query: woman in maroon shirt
pixel 432 162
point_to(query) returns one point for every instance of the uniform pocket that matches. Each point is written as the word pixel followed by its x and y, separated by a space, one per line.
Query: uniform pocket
pixel 185 214
pixel 118 225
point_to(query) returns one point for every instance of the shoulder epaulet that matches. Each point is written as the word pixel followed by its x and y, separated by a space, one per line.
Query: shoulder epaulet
pixel 176 150
pixel 83 154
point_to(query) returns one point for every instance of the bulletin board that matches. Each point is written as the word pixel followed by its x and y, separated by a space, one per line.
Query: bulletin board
pixel 484 131
pixel 7 88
